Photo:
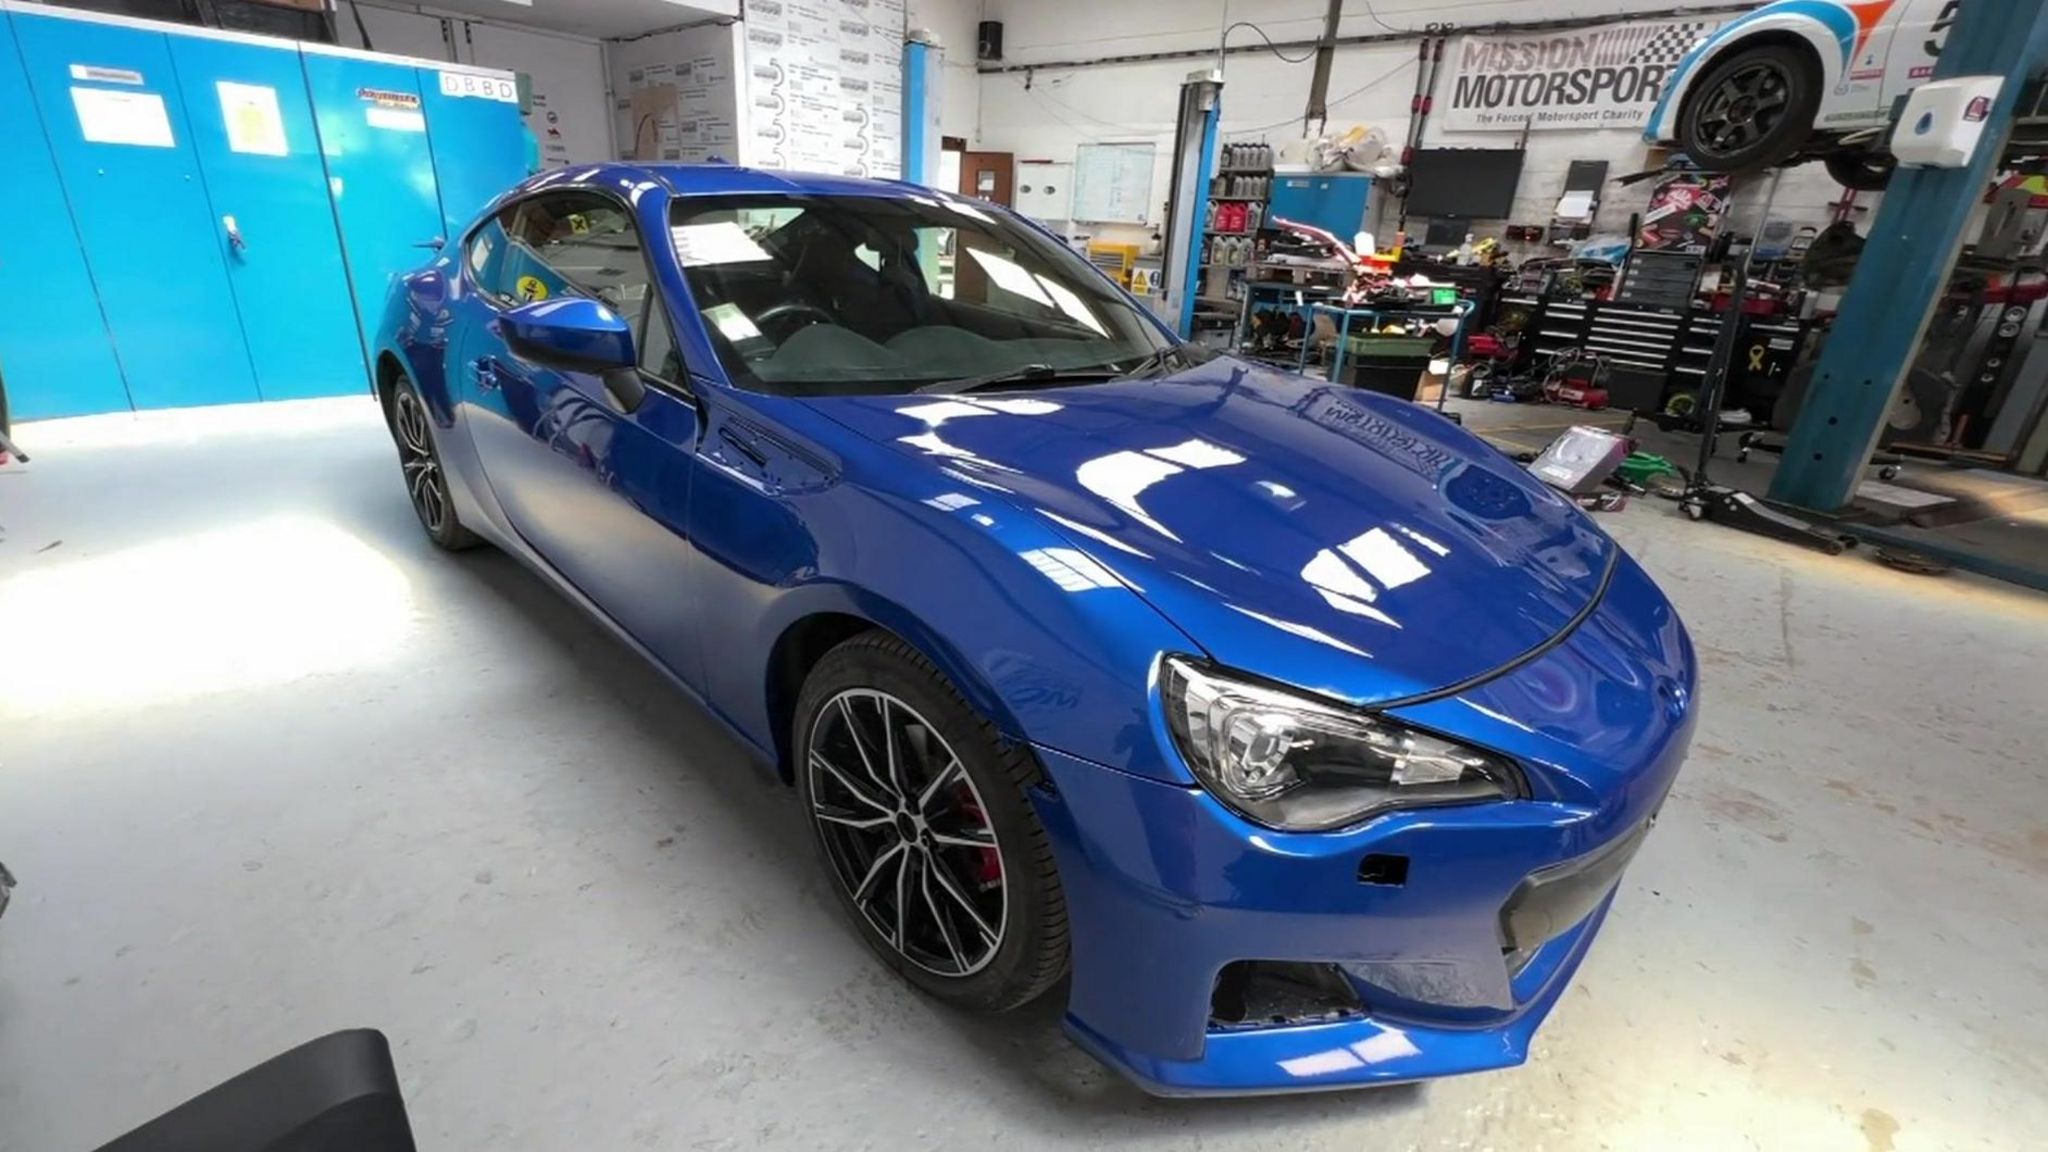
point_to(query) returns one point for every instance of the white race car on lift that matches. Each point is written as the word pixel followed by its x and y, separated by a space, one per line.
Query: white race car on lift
pixel 1800 79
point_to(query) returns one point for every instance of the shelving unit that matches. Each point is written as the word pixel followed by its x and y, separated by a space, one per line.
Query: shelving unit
pixel 1242 184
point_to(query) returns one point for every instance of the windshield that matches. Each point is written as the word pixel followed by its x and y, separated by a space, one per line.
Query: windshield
pixel 821 295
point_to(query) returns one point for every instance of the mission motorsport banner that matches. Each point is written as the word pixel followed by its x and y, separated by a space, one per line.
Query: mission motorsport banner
pixel 1604 77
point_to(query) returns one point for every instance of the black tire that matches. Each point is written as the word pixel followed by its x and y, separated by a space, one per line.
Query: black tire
pixel 1753 109
pixel 876 675
pixel 1861 171
pixel 419 458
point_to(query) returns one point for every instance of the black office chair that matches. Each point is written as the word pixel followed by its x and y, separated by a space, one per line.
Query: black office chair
pixel 336 1094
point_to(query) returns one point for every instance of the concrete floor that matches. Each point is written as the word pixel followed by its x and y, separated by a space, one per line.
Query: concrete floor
pixel 271 766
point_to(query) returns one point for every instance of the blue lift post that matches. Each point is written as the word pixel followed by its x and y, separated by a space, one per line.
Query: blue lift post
pixel 1906 264
pixel 923 65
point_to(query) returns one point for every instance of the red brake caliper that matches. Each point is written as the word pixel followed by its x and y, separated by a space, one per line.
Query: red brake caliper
pixel 988 863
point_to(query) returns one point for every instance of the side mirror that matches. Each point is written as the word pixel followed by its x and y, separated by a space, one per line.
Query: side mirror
pixel 573 333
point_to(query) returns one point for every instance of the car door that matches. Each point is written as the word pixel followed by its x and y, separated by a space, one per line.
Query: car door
pixel 1859 97
pixel 600 492
pixel 1923 31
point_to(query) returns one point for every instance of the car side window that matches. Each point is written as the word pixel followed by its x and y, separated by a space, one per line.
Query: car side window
pixel 484 257
pixel 577 243
pixel 580 243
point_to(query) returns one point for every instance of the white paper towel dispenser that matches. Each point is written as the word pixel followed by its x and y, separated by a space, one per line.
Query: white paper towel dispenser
pixel 1944 121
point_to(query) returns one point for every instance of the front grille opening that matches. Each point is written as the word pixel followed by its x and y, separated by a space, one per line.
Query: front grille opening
pixel 1272 993
pixel 1381 869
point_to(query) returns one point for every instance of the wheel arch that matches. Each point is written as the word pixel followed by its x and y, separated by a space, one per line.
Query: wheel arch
pixel 832 619
pixel 389 369
pixel 1822 48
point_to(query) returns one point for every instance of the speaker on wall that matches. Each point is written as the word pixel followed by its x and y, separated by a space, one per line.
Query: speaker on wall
pixel 989 43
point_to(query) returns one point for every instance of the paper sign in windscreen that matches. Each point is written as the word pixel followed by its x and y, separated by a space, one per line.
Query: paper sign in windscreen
pixel 254 122
pixel 109 117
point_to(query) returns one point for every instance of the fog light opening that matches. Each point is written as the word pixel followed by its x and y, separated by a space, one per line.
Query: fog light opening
pixel 1382 869
pixel 1274 993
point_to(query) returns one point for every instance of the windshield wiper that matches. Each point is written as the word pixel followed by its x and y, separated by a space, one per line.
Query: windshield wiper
pixel 1027 374
pixel 1161 359
pixel 1047 374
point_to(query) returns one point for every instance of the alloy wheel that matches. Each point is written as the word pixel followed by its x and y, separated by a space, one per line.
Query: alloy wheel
pixel 1745 107
pixel 423 480
pixel 906 833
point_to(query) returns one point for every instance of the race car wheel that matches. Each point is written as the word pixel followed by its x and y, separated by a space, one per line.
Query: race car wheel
pixel 1861 171
pixel 921 814
pixel 1751 110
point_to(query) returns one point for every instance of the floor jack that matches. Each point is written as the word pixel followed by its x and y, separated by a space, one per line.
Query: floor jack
pixel 1732 507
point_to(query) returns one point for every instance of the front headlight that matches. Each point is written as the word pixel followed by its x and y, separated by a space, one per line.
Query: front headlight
pixel 1292 762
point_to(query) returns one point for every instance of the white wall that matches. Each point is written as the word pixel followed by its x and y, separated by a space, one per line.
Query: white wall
pixel 401 33
pixel 570 116
pixel 703 65
pixel 567 72
pixel 1045 113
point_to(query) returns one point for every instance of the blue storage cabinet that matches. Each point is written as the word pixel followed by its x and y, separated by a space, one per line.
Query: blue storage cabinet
pixel 473 115
pixel 380 169
pixel 252 127
pixel 219 217
pixel 116 123
pixel 55 357
pixel 1333 201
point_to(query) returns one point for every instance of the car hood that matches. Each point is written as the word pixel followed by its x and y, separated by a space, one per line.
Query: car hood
pixel 1330 538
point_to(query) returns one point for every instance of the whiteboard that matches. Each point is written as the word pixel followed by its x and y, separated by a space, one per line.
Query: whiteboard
pixel 1113 183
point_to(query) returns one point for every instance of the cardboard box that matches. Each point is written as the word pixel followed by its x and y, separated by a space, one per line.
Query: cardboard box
pixel 1439 373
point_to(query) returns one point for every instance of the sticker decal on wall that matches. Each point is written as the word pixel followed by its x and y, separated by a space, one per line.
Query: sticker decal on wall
pixel 501 88
pixel 253 119
pixel 135 118
pixel 105 75
pixel 386 98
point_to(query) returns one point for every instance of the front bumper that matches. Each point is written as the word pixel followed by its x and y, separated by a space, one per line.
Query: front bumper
pixel 1455 963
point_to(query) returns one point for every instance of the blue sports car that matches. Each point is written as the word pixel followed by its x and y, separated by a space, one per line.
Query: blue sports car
pixel 1307 734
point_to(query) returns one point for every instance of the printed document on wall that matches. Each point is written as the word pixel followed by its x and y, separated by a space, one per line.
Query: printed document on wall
pixel 135 118
pixel 254 122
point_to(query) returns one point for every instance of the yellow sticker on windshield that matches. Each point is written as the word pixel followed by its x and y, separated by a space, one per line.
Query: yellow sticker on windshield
pixel 531 289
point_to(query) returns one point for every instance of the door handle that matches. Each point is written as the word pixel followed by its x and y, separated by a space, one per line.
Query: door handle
pixel 234 232
pixel 437 243
pixel 487 374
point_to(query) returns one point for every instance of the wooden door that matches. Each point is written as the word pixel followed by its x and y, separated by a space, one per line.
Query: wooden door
pixel 989 175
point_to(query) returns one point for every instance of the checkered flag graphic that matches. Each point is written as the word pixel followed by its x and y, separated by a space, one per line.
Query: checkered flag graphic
pixel 1668 43
pixel 1649 43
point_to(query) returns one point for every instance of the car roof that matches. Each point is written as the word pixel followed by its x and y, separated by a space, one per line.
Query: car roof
pixel 732 180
